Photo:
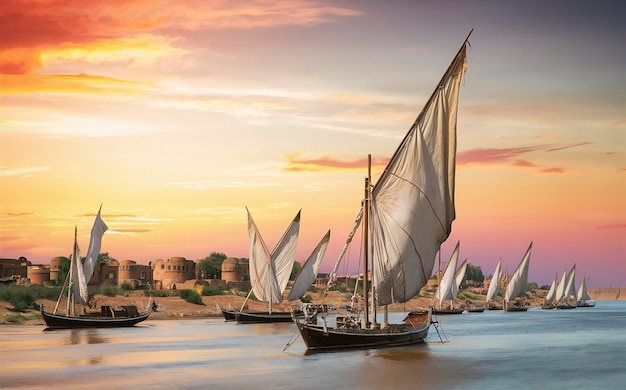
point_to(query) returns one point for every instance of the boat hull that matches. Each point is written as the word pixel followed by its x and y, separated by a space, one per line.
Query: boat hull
pixel 55 321
pixel 229 315
pixel 586 304
pixel 262 317
pixel 448 311
pixel 317 337
pixel 476 310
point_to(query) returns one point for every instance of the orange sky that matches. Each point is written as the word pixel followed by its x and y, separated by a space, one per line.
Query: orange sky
pixel 174 115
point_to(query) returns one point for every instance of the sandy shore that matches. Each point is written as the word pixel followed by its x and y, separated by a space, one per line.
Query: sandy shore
pixel 177 308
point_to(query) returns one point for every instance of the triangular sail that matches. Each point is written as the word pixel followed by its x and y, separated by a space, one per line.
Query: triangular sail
pixel 583 295
pixel 308 272
pixel 332 278
pixel 269 273
pixel 519 280
pixel 81 294
pixel 552 292
pixel 446 288
pixel 494 285
pixel 560 290
pixel 459 275
pixel 570 287
pixel 412 205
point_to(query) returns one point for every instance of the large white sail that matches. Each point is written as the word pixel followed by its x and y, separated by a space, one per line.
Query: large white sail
pixel 583 295
pixel 560 290
pixel 81 294
pixel 494 285
pixel 446 288
pixel 307 274
pixel 519 280
pixel 269 273
pixel 570 287
pixel 459 275
pixel 552 292
pixel 412 205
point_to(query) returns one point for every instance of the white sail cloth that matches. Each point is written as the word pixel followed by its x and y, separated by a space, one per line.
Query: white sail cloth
pixel 446 289
pixel 583 295
pixel 519 280
pixel 494 285
pixel 560 289
pixel 412 205
pixel 552 292
pixel 459 275
pixel 269 273
pixel 570 287
pixel 307 274
pixel 84 270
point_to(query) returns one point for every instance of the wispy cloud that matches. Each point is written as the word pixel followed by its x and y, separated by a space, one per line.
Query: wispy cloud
pixel 612 227
pixel 568 146
pixel 296 164
pixel 23 171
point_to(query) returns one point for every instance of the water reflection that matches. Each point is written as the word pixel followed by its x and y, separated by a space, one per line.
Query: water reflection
pixel 86 336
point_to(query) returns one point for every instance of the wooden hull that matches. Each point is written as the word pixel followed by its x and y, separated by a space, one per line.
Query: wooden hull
pixel 586 304
pixel 317 337
pixel 55 321
pixel 566 306
pixel 476 309
pixel 229 315
pixel 448 311
pixel 262 317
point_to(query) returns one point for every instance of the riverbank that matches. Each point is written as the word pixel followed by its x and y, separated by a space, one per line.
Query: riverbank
pixel 177 308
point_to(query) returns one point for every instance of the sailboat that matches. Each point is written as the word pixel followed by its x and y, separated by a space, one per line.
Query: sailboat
pixel 518 284
pixel 269 274
pixel 550 297
pixel 77 293
pixel 494 288
pixel 448 287
pixel 567 299
pixel 584 300
pixel 406 216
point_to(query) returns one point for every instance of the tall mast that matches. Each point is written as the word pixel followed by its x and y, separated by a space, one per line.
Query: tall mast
pixel 366 215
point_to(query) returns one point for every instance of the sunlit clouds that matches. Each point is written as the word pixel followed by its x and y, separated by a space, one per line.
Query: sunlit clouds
pixel 175 115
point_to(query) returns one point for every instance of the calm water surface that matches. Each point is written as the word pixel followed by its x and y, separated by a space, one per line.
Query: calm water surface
pixel 583 348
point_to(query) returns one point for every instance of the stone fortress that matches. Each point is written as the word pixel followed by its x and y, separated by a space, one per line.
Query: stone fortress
pixel 175 272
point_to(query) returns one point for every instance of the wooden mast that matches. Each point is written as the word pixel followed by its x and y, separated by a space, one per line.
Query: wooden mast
pixel 366 214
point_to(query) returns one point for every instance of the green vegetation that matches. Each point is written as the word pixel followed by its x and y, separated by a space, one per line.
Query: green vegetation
pixel 211 267
pixel 64 269
pixel 473 276
pixel 21 298
pixel 294 270
pixel 126 286
pixel 306 299
pixel 191 296
pixel 156 293
pixel 212 290
pixel 106 289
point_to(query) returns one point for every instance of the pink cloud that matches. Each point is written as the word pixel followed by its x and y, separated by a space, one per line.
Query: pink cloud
pixel 491 156
pixel 295 164
pixel 612 227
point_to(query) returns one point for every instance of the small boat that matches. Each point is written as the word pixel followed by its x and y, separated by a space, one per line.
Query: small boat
pixel 406 216
pixel 449 285
pixel 475 309
pixel 549 303
pixel 584 300
pixel 76 282
pixel 518 284
pixel 269 274
pixel 494 288
pixel 567 298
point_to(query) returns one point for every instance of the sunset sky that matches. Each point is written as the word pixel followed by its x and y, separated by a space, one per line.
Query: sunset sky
pixel 176 114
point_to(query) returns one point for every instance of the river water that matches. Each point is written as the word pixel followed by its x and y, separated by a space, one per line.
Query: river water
pixel 583 348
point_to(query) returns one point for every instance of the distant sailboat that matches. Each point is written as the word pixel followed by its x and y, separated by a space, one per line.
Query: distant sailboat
pixel 269 274
pixel 494 288
pixel 307 274
pixel 77 280
pixel 568 298
pixel 551 296
pixel 406 217
pixel 584 300
pixel 518 284
pixel 448 288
